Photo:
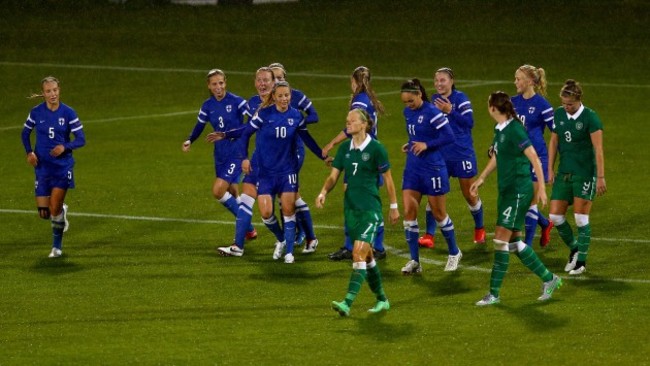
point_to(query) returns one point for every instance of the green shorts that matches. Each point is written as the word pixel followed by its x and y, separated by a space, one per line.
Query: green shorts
pixel 512 209
pixel 362 225
pixel 569 186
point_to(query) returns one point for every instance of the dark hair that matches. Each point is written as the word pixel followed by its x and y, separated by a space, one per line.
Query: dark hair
pixel 450 72
pixel 571 88
pixel 365 117
pixel 502 102
pixel 414 86
pixel 268 99
pixel 361 76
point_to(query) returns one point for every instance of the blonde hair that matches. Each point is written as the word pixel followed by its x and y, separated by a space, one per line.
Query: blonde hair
pixel 361 77
pixel 47 79
pixel 537 75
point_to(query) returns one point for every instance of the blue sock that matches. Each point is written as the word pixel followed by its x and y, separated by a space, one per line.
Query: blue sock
pixel 57 231
pixel 244 219
pixel 541 219
pixel 290 232
pixel 348 241
pixel 273 225
pixel 430 221
pixel 304 219
pixel 379 239
pixel 412 232
pixel 447 229
pixel 230 203
pixel 477 214
pixel 530 225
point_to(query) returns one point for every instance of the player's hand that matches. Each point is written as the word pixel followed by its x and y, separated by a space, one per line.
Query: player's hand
pixel 32 159
pixel 328 161
pixel 57 150
pixel 541 195
pixel 443 104
pixel 551 176
pixel 327 149
pixel 601 186
pixel 418 147
pixel 473 189
pixel 186 146
pixel 393 214
pixel 320 200
pixel 490 151
pixel 405 148
pixel 215 136
pixel 246 166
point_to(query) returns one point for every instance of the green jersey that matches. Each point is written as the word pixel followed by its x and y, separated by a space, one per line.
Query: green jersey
pixel 513 167
pixel 362 166
pixel 576 151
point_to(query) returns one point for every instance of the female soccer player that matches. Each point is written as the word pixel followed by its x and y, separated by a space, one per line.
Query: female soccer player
pixel 51 157
pixel 535 113
pixel 224 111
pixel 459 155
pixel 363 159
pixel 278 126
pixel 425 172
pixel 363 97
pixel 513 151
pixel 578 137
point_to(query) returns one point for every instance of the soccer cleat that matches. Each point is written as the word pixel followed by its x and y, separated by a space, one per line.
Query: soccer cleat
pixel 251 235
pixel 479 236
pixel 65 218
pixel 231 251
pixel 578 271
pixel 378 255
pixel 279 248
pixel 452 262
pixel 310 247
pixel 341 307
pixel 546 235
pixel 288 258
pixel 300 238
pixel 55 253
pixel 426 241
pixel 573 259
pixel 411 267
pixel 340 255
pixel 380 306
pixel 549 286
pixel 489 299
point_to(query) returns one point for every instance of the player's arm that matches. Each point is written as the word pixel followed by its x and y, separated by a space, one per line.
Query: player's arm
pixel 597 142
pixel 196 132
pixel 489 168
pixel 335 141
pixel 32 159
pixel 330 183
pixel 393 212
pixel 552 154
pixel 311 143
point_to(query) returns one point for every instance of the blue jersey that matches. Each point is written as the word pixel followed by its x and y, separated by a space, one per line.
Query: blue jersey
pixel 536 113
pixel 461 120
pixel 362 101
pixel 223 115
pixel 275 144
pixel 429 125
pixel 53 128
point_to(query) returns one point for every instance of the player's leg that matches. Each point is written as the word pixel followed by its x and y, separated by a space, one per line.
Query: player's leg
pixel 475 206
pixel 439 209
pixel 411 199
pixel 582 208
pixel 289 214
pixel 57 218
pixel 428 239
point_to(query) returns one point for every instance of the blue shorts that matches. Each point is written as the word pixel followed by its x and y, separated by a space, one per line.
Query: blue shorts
pixel 230 171
pixel 279 184
pixel 48 178
pixel 462 168
pixel 533 176
pixel 434 182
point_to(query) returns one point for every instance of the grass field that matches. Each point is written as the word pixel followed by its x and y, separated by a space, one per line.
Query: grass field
pixel 140 282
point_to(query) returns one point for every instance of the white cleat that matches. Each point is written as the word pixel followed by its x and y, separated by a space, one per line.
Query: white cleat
pixel 452 262
pixel 55 253
pixel 489 299
pixel 310 247
pixel 288 258
pixel 550 286
pixel 279 248
pixel 578 271
pixel 411 267
pixel 231 251
pixel 571 264
pixel 65 218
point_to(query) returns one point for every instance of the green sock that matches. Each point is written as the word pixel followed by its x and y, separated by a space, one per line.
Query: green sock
pixel 584 239
pixel 356 280
pixel 566 233
pixel 499 270
pixel 532 261
pixel 374 281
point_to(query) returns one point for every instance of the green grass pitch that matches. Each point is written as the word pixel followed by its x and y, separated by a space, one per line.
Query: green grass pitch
pixel 141 283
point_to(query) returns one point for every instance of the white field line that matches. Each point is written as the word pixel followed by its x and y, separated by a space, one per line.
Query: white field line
pixel 394 251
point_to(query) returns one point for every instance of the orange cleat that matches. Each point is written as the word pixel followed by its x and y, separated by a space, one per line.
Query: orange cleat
pixel 426 241
pixel 479 236
pixel 251 235
pixel 546 235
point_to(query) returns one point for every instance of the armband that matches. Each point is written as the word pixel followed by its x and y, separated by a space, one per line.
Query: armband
pixel 393 206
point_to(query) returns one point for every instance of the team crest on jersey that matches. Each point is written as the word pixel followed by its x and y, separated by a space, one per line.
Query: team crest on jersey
pixel 228 108
pixel 531 110
pixel 365 156
pixel 420 119
pixel 579 126
pixel 61 121
pixel 290 121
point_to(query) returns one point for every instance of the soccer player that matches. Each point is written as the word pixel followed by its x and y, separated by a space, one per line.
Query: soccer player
pixel 300 102
pixel 278 126
pixel 459 155
pixel 578 137
pixel 362 159
pixel 51 157
pixel 363 97
pixel 224 111
pixel 536 114
pixel 513 151
pixel 425 172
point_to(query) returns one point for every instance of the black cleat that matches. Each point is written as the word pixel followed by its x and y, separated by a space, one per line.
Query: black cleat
pixel 340 255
